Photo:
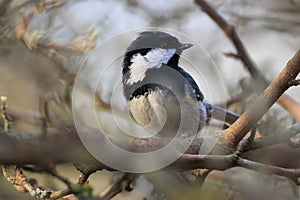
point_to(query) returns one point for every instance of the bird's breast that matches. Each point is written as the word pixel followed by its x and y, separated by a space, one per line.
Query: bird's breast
pixel 161 112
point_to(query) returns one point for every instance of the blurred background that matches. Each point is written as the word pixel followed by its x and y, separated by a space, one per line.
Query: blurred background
pixel 46 45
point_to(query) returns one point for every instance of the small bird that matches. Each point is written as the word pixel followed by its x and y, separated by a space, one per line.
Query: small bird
pixel 162 97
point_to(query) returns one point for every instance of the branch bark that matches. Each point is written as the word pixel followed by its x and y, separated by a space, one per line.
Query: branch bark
pixel 219 162
pixel 34 148
pixel 231 137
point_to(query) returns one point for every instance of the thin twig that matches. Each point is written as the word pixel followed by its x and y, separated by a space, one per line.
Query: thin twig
pixel 54 173
pixel 230 32
pixel 293 174
pixel 20 179
pixel 125 183
pixel 232 55
pixel 277 138
pixel 86 170
pixel 60 193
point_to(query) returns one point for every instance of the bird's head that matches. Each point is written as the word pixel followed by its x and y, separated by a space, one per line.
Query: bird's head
pixel 150 50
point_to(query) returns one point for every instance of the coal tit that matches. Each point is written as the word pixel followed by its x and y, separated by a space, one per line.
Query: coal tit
pixel 162 97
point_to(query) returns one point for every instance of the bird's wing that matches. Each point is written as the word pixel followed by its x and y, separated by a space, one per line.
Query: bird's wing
pixel 192 83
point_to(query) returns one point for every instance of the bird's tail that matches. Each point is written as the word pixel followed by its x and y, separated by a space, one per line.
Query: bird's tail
pixel 221 113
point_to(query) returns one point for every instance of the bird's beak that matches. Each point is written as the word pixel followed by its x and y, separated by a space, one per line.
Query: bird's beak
pixel 185 46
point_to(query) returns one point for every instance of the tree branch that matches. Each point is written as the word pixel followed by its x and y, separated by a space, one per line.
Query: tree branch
pixel 230 32
pixel 219 162
pixel 285 101
pixel 236 132
pixel 190 162
pixel 30 148
pixel 293 174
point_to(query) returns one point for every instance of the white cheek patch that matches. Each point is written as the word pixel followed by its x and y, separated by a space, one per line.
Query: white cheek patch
pixel 153 59
pixel 137 69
